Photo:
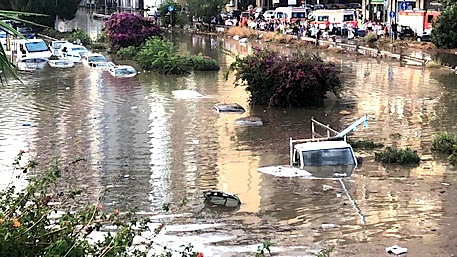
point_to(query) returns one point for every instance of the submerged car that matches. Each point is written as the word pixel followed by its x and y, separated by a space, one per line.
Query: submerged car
pixel 320 157
pixel 91 58
pixel 122 71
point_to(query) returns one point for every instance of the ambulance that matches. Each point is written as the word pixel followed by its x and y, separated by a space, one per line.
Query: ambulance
pixel 335 17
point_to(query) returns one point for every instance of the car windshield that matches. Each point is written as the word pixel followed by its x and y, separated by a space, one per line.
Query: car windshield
pixel 76 49
pixel 124 71
pixel 328 157
pixel 36 46
pixel 57 45
pixel 96 58
pixel 23 30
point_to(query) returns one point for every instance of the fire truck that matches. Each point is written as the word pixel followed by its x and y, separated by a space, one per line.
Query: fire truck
pixel 418 20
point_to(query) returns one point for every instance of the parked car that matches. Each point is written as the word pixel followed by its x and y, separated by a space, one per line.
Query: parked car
pixel 405 32
pixel 55 46
pixel 72 52
pixel 122 71
pixel 90 58
pixel 425 36
pixel 268 15
pixel 27 32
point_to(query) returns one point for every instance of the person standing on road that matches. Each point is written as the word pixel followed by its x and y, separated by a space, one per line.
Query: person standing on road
pixel 394 30
pixel 355 27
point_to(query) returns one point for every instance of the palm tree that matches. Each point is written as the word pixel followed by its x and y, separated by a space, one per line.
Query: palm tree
pixel 6 67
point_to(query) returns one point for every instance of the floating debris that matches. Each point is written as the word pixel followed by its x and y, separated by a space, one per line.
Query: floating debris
pixel 249 121
pixel 229 108
pixel 220 198
pixel 397 250
pixel 186 94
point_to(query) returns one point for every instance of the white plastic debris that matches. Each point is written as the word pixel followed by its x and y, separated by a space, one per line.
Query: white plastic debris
pixel 327 187
pixel 327 226
pixel 397 250
pixel 445 184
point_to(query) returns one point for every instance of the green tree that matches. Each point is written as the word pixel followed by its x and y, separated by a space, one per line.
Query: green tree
pixel 177 16
pixel 63 8
pixel 447 2
pixel 205 9
pixel 444 33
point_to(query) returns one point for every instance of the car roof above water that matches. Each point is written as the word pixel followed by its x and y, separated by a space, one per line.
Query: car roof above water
pixel 322 145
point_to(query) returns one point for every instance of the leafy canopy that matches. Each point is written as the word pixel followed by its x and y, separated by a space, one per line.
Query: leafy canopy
pixel 444 33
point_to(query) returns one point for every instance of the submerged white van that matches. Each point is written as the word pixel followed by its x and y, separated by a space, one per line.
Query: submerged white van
pixel 30 48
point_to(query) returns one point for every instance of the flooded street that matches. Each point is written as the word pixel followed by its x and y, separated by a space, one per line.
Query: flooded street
pixel 153 149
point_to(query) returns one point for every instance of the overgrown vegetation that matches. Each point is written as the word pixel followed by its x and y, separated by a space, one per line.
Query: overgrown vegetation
pixel 37 221
pixel 370 39
pixel 395 155
pixel 80 37
pixel 277 80
pixel 446 144
pixel 444 28
pixel 127 29
pixel 157 54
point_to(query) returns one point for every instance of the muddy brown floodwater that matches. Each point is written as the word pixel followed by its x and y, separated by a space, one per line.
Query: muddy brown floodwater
pixel 154 149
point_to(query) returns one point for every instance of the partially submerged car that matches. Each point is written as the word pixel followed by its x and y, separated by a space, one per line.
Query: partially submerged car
pixel 122 71
pixel 91 58
pixel 322 157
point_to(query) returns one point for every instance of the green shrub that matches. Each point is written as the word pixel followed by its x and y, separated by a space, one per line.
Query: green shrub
pixel 371 38
pixel 400 156
pixel 276 80
pixel 203 63
pixel 160 55
pixel 127 52
pixel 54 33
pixel 444 143
pixel 27 228
pixel 80 36
pixel 447 144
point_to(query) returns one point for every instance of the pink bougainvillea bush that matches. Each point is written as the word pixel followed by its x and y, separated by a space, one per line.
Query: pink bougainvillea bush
pixel 128 29
pixel 287 81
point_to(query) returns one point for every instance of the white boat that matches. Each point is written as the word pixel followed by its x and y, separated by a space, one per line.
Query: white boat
pixel 61 63
pixel 31 63
pixel 122 71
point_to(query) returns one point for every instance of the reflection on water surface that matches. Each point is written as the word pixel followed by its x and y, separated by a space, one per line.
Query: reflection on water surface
pixel 155 149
